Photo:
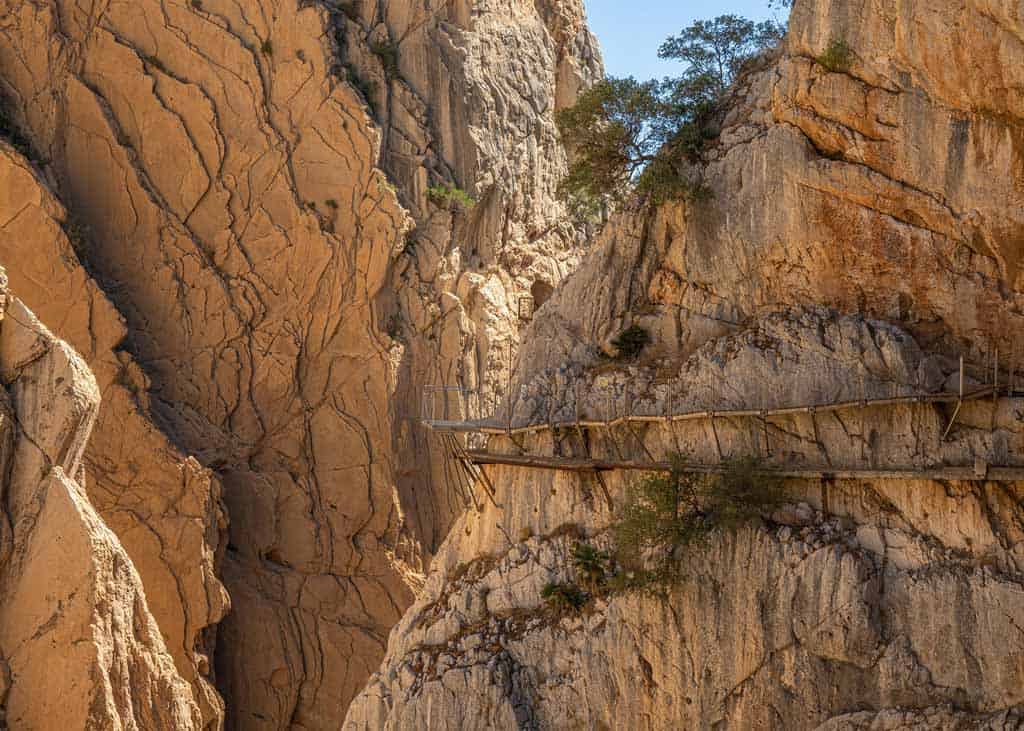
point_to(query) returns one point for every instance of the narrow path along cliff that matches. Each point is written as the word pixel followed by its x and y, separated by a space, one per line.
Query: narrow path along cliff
pixel 242 240
pixel 860 236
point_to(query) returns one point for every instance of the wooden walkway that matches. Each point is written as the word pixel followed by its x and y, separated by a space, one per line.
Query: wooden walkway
pixel 576 464
pixel 474 460
pixel 494 428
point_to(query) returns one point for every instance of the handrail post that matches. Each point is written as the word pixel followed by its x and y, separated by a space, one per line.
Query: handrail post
pixel 508 386
pixel 959 403
pixel 995 384
pixel 767 441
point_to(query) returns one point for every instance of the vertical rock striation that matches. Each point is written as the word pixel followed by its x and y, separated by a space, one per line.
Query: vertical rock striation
pixel 70 590
pixel 256 297
pixel 862 235
pixel 465 94
pixel 164 507
pixel 198 144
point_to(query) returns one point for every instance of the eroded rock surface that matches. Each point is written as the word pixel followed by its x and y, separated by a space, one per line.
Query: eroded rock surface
pixel 164 507
pixel 468 102
pixel 79 647
pixel 861 238
pixel 279 301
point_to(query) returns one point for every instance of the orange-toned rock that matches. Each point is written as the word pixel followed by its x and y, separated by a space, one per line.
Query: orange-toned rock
pixel 279 317
pixel 164 507
pixel 863 233
pixel 78 644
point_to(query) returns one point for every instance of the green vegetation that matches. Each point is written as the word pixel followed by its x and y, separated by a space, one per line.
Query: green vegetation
pixel 665 511
pixel 394 324
pixel 366 88
pixel 631 341
pixel 837 56
pixel 448 196
pixel 645 139
pixel 564 598
pixel 662 513
pixel 331 203
pixel 387 52
pixel 591 565
pixel 197 4
pixel 350 10
pixel 267 47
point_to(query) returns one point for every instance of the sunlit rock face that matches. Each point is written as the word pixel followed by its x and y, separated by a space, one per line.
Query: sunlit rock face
pixel 79 646
pixel 225 209
pixel 863 234
pixel 164 507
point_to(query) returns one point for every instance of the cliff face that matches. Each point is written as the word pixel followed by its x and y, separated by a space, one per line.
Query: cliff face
pixel 69 588
pixel 864 233
pixel 164 507
pixel 467 101
pixel 240 216
pixel 257 298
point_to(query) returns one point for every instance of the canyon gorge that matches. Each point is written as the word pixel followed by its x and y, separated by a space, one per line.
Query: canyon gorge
pixel 241 241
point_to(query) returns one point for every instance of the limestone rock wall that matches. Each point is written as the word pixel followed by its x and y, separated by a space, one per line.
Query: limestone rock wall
pixel 70 590
pixel 871 594
pixel 165 508
pixel 862 235
pixel 191 143
pixel 257 297
pixel 467 101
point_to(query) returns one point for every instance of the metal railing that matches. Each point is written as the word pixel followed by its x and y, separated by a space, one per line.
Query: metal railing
pixel 443 405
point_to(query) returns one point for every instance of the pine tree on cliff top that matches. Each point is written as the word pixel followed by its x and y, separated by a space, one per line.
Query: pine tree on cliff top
pixel 628 136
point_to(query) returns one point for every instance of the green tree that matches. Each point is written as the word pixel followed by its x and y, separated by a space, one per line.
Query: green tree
pixel 628 136
pixel 615 130
pixel 664 511
pixel 713 52
pixel 661 511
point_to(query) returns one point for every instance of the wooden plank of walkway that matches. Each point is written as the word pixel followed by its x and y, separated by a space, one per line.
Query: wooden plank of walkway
pixel 572 464
pixel 492 427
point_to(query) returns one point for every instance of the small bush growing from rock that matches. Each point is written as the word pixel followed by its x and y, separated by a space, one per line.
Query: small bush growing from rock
pixel 267 47
pixel 387 52
pixel 368 89
pixel 631 341
pixel 448 196
pixel 394 325
pixel 563 597
pixel 667 510
pixel 837 56
pixel 592 566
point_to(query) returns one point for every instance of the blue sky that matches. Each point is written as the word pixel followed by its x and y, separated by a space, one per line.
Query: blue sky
pixel 630 31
